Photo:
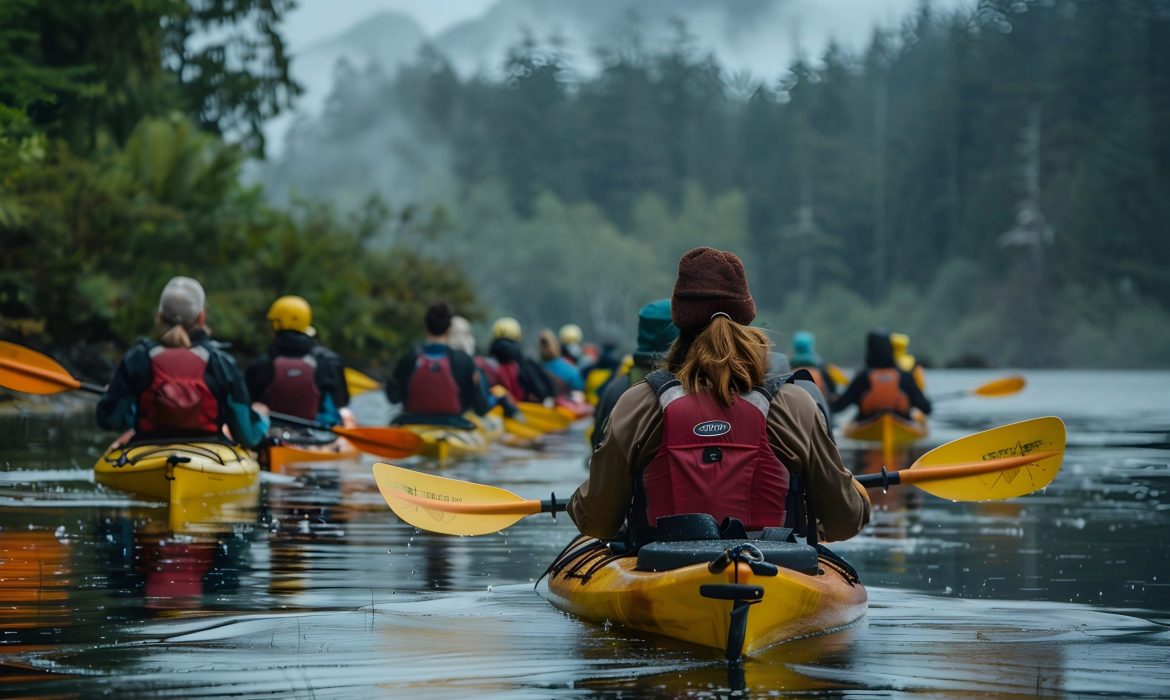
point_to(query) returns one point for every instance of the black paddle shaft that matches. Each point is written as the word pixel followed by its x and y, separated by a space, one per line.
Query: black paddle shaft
pixel 883 480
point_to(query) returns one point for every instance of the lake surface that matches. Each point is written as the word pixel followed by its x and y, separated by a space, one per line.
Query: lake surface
pixel 319 591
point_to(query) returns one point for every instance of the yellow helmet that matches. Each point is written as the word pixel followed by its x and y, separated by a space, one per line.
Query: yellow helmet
pixel 570 334
pixel 506 327
pixel 291 313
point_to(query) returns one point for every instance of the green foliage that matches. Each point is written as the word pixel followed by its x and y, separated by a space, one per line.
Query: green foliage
pixel 90 71
pixel 96 239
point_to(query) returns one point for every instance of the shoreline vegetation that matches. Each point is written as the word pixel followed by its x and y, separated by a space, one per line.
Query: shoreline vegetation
pixel 984 180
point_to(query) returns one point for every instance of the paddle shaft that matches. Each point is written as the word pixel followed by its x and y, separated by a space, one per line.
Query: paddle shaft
pixel 521 507
pixel 66 382
pixel 955 471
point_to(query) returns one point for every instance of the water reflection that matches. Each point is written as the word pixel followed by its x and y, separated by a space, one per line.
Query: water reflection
pixel 324 593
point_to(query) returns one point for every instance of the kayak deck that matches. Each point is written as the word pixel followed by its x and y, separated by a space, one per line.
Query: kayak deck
pixel 902 431
pixel 600 587
pixel 281 456
pixel 179 471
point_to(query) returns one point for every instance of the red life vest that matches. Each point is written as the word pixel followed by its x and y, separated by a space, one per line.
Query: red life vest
pixel 489 367
pixel 716 460
pixel 433 389
pixel 178 398
pixel 885 393
pixel 294 387
pixel 509 378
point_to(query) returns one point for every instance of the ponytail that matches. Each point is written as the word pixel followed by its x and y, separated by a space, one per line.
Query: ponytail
pixel 725 359
pixel 176 337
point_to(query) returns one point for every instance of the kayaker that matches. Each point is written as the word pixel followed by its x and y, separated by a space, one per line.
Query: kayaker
pixel 704 436
pixel 882 387
pixel 181 385
pixel 522 377
pixel 655 334
pixel 298 375
pixel 571 336
pixel 436 383
pixel 804 356
pixel 905 361
pixel 565 376
pixel 461 338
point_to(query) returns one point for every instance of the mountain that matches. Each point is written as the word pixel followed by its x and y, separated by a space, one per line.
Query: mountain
pixel 387 39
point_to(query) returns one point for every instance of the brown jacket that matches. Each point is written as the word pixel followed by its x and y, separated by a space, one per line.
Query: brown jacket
pixel 796 430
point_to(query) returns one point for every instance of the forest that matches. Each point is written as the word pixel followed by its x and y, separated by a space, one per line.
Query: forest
pixel 988 180
pixel 120 167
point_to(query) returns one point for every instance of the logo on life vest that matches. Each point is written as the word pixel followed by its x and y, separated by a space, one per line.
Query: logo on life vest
pixel 712 428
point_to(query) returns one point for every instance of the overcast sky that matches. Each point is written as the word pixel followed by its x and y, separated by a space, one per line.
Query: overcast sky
pixel 319 19
pixel 314 20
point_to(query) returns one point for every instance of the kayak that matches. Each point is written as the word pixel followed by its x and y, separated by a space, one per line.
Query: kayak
pixel 901 431
pixel 177 472
pixel 443 442
pixel 280 456
pixel 669 589
pixel 574 408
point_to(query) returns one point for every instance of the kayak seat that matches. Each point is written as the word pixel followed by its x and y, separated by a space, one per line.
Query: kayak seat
pixel 665 556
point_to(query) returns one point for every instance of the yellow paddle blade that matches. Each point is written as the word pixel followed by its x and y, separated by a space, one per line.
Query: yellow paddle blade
pixel 449 506
pixel 1041 439
pixel 358 383
pixel 837 375
pixel 1000 387
pixel 22 369
pixel 547 420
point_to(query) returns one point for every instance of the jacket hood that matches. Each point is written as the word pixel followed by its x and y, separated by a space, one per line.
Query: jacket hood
pixel 505 350
pixel 292 344
pixel 879 353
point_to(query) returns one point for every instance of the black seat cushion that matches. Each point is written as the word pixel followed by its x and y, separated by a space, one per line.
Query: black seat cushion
pixel 664 556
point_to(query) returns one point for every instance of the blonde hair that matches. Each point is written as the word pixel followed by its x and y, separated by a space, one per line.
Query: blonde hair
pixel 178 335
pixel 725 359
pixel 550 348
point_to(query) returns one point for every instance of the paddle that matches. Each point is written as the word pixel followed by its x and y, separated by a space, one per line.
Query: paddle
pixel 997 464
pixel 997 388
pixel 358 383
pixel 31 372
pixel 837 375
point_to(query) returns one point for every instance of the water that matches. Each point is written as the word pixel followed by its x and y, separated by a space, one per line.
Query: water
pixel 321 592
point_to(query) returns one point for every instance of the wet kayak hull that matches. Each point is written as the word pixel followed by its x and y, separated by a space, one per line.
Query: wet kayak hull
pixel 669 603
pixel 178 472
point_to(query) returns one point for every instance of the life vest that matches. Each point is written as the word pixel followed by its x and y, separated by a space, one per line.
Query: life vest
pixel 294 387
pixel 508 376
pixel 432 389
pixel 818 378
pixel 716 460
pixel 178 398
pixel 490 368
pixel 885 393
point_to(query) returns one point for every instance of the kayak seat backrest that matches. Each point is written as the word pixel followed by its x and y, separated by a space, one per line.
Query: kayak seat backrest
pixel 665 556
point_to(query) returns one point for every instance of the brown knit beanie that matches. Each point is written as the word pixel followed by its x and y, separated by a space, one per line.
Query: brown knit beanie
pixel 709 282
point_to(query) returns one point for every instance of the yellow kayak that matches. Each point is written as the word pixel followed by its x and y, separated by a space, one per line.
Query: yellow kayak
pixel 178 472
pixel 445 442
pixel 901 431
pixel 672 592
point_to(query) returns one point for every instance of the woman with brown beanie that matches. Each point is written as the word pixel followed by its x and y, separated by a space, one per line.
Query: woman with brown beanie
pixel 705 436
